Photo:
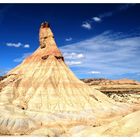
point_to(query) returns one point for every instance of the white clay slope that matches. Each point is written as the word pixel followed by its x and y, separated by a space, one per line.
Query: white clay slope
pixel 43 89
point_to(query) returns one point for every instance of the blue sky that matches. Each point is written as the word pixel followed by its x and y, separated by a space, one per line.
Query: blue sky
pixel 97 40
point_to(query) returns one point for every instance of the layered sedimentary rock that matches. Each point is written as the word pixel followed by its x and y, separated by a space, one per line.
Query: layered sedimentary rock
pixel 123 90
pixel 102 81
pixel 123 126
pixel 42 93
pixel 43 82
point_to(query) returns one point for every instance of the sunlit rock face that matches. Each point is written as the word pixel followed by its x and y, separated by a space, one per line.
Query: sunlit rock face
pixel 122 90
pixel 42 92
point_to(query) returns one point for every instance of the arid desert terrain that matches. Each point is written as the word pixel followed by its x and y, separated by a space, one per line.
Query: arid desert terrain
pixel 43 97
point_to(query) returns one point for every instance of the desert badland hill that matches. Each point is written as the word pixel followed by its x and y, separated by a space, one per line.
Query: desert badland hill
pixel 123 90
pixel 43 97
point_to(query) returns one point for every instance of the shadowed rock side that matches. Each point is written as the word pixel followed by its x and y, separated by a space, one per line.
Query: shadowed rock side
pixel 43 94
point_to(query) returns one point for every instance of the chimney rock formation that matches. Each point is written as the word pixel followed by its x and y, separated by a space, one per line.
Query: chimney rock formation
pixel 42 90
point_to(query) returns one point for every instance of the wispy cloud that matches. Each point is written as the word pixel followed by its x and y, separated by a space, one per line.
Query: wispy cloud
pixel 125 6
pixel 73 58
pixel 68 39
pixel 73 55
pixel 94 72
pixel 105 15
pixel 109 53
pixel 20 59
pixel 119 9
pixel 73 63
pixel 86 25
pixel 17 45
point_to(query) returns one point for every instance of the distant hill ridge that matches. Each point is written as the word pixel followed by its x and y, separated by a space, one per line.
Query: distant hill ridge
pixel 103 81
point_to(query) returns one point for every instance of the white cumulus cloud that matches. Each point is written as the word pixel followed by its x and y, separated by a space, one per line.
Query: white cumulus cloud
pixel 96 19
pixel 17 45
pixel 26 46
